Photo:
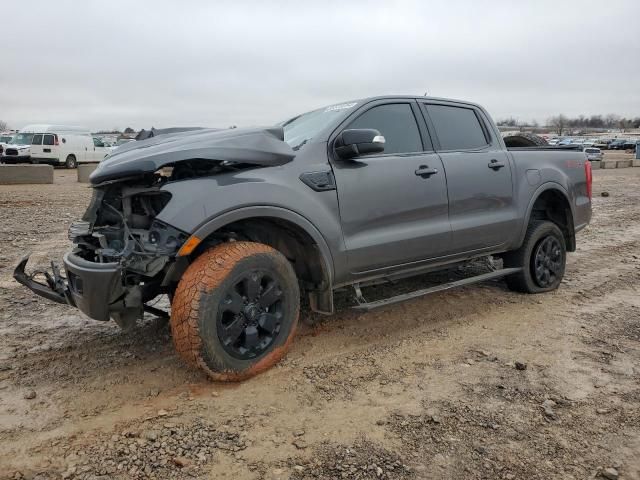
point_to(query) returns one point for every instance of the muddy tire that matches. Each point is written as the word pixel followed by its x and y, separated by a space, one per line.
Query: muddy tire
pixel 235 311
pixel 542 256
pixel 523 139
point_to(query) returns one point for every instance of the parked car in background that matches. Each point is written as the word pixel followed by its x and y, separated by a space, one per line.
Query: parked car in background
pixel 588 142
pixel 122 141
pixel 603 143
pixel 630 144
pixel 63 145
pixel 617 144
pixel 18 149
pixel 570 141
pixel 4 140
pixel 102 147
pixel 593 154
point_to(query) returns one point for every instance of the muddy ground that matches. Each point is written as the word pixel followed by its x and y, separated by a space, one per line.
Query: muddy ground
pixel 474 383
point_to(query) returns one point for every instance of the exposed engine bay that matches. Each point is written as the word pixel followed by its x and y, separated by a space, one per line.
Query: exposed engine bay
pixel 120 223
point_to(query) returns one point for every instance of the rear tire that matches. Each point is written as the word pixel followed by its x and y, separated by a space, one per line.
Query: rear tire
pixel 542 257
pixel 71 162
pixel 235 310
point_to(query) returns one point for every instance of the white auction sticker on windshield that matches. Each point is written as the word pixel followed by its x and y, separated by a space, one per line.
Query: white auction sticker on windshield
pixel 342 106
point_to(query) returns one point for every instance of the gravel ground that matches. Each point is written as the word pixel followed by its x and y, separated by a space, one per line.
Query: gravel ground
pixel 477 383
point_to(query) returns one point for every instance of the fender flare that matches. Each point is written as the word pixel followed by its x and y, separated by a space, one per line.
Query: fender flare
pixel 214 224
pixel 539 191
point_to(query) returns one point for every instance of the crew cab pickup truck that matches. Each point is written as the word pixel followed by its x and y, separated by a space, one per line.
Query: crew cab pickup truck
pixel 234 225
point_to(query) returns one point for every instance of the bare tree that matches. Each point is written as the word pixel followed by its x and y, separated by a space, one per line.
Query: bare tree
pixel 559 123
pixel 3 125
pixel 612 120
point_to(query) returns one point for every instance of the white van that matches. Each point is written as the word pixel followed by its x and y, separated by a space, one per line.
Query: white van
pixel 64 145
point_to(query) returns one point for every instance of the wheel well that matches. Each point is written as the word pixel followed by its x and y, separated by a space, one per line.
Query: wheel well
pixel 552 205
pixel 294 243
pixel 71 155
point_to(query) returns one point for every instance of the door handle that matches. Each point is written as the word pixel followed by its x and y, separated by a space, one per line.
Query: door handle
pixel 496 165
pixel 425 171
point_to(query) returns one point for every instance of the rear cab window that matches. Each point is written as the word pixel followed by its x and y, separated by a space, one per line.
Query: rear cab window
pixel 396 123
pixel 457 128
pixel 48 140
pixel 37 139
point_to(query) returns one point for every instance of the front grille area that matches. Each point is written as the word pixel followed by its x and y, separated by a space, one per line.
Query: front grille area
pixel 11 151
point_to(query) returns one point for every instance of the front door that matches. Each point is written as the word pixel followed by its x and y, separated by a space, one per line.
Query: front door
pixel 99 150
pixel 393 206
pixel 481 206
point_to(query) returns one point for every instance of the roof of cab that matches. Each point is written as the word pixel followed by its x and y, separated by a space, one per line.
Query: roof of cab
pixel 361 101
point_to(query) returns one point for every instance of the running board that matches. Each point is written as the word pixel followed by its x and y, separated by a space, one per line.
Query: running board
pixel 366 306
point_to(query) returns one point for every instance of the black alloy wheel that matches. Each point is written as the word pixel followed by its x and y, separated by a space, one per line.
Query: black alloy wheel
pixel 547 261
pixel 250 314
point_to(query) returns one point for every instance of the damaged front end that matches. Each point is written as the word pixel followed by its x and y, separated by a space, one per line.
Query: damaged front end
pixel 122 257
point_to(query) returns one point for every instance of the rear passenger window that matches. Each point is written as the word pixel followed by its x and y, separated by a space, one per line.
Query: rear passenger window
pixel 457 128
pixel 396 123
pixel 48 140
pixel 37 139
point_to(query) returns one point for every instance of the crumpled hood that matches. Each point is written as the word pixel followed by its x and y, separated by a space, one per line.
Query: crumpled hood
pixel 259 146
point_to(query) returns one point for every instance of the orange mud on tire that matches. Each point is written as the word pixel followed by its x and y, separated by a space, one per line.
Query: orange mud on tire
pixel 200 297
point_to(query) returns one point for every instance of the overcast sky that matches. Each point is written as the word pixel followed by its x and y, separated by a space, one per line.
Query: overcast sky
pixel 201 63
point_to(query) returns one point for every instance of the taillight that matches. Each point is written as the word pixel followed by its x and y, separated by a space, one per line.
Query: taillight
pixel 589 176
pixel 55 140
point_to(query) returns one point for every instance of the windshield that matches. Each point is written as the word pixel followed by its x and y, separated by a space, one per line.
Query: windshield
pixel 6 138
pixel 22 139
pixel 299 130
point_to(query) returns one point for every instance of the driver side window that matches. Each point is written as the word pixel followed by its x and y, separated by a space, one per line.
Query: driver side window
pixel 396 122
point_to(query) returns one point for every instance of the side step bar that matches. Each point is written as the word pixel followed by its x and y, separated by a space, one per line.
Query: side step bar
pixel 366 306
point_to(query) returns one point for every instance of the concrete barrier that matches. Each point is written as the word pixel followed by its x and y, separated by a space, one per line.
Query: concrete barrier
pixel 25 174
pixel 595 164
pixel 635 163
pixel 608 164
pixel 623 163
pixel 84 170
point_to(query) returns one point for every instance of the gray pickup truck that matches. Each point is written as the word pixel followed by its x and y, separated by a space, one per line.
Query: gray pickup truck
pixel 233 225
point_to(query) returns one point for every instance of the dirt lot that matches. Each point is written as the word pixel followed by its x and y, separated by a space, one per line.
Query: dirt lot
pixel 474 383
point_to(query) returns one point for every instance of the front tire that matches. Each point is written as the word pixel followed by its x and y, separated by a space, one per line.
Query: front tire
pixel 235 310
pixel 542 257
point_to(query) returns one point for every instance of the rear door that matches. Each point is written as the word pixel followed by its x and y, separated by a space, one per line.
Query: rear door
pixel 481 204
pixel 393 206
pixel 49 148
pixel 36 147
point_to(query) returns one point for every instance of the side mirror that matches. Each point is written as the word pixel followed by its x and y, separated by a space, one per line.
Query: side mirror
pixel 355 142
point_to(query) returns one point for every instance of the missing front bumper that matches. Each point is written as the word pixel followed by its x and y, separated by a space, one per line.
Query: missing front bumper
pixel 91 287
